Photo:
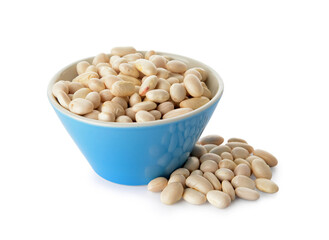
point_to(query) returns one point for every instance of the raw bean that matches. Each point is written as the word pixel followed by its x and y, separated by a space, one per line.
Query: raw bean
pixel 241 161
pixel 198 150
pixel 162 73
pixel 224 174
pixel 268 157
pixel 218 199
pixel 113 107
pixel 180 77
pixel 146 67
pixel 121 51
pixel 177 178
pixel 146 106
pixel 148 54
pixel 203 73
pixel 194 103
pixel 172 80
pixel 192 164
pixel 82 66
pixel 109 80
pixel 124 119
pixel 90 69
pixel 157 184
pixel 132 57
pixel 81 93
pixel 121 101
pixel 144 116
pixel 113 59
pixel 177 92
pixel 85 77
pixel 158 60
pixel 81 106
pixel 199 183
pixel 131 113
pixel 122 89
pixel 243 181
pixel 157 95
pixel 106 95
pixel 226 155
pixel 99 65
pixel 247 193
pixel 157 114
pixel 212 139
pixel 101 58
pixel 194 72
pixel 228 188
pixel 209 147
pixel 266 185
pixel 260 169
pixel 220 149
pixel 95 98
pixel 58 87
pixel 129 69
pixel 181 171
pixel 213 180
pixel 106 71
pixel 239 144
pixel 74 86
pixel 92 115
pixel 172 193
pixel 197 172
pixel 177 112
pixel 226 163
pixel 206 92
pixel 96 85
pixel 239 152
pixel 210 156
pixel 194 197
pixel 176 66
pixel 63 99
pixel 130 79
pixel 117 63
pixel 242 169
pixel 237 140
pixel 134 99
pixel 165 107
pixel 193 85
pixel 148 84
pixel 252 158
pixel 106 116
pixel 163 84
pixel 209 166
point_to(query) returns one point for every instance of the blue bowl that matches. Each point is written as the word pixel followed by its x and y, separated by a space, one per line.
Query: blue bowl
pixel 135 153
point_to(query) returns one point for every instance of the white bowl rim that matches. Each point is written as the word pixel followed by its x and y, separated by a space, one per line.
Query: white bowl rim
pixel 212 101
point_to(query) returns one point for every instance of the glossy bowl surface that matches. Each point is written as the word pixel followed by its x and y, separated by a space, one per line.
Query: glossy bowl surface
pixel 135 153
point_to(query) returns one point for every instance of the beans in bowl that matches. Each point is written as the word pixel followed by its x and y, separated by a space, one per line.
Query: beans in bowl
pixel 129 86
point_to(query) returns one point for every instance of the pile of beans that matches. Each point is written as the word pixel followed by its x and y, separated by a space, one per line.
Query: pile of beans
pixel 219 173
pixel 129 86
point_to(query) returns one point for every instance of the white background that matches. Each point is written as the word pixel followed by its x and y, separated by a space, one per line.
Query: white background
pixel 273 57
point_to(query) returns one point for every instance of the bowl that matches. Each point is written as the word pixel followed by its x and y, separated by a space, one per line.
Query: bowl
pixel 135 153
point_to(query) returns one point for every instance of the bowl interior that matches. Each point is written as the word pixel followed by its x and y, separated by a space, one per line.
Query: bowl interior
pixel 214 83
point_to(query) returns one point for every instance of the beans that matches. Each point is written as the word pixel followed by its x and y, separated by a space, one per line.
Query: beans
pixel 146 67
pixel 242 169
pixel 260 169
pixel 157 95
pixel 157 184
pixel 224 174
pixel 209 166
pixel 194 197
pixel 240 161
pixel 220 149
pixel 95 98
pixel 266 185
pixel 243 181
pixel 229 164
pixel 176 66
pixel 239 152
pixel 218 199
pixel 197 172
pixel 226 155
pixel 210 156
pixel 181 171
pixel 144 116
pixel 113 107
pixel 209 147
pixel 177 178
pixel 124 119
pixel 92 115
pixel 169 86
pixel 237 140
pixel 268 158
pixel 212 139
pixel 81 106
pixel 122 89
pixel 239 144
pixel 106 116
pixel 199 183
pixel 172 193
pixel 193 85
pixel 192 164
pixel 213 180
pixel 198 150
pixel 247 193
pixel 228 188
